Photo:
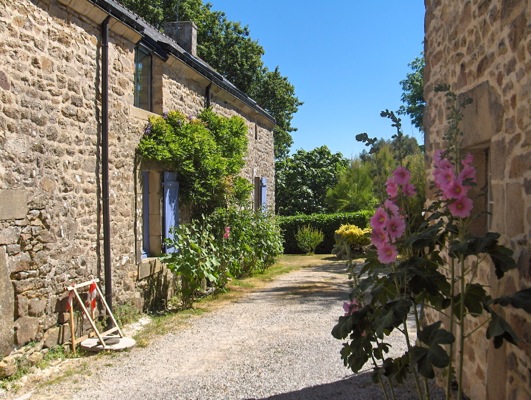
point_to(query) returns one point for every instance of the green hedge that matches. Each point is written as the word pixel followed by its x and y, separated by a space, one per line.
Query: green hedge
pixel 327 223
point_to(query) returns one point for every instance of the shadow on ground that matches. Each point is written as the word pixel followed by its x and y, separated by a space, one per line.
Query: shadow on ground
pixel 357 387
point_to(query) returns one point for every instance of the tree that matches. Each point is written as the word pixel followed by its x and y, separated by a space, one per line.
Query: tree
pixel 228 47
pixel 413 93
pixel 276 95
pixel 302 180
pixel 354 190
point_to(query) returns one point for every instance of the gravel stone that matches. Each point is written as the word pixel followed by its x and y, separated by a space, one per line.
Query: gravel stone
pixel 274 343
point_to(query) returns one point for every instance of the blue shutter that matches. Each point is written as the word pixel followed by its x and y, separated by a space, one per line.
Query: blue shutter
pixel 171 207
pixel 263 194
pixel 145 214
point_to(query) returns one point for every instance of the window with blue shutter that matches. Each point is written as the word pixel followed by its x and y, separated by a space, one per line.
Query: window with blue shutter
pixel 171 207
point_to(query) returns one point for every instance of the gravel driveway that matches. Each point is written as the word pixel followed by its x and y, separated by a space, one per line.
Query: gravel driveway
pixel 274 343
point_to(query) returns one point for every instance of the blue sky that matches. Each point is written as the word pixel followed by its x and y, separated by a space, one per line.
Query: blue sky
pixel 345 58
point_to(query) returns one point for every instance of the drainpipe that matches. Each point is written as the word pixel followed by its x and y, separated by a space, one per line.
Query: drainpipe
pixel 105 160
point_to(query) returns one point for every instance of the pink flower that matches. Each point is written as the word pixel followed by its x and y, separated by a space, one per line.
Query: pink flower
pixel 409 190
pixel 226 235
pixel 379 237
pixel 391 188
pixel 387 253
pixel 401 175
pixel 396 227
pixel 468 173
pixel 461 207
pixel 455 190
pixel 351 307
pixel 379 219
pixel 443 177
pixel 390 206
pixel 468 160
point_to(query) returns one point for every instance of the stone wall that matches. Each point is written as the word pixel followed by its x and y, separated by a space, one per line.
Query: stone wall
pixel 50 171
pixel 482 50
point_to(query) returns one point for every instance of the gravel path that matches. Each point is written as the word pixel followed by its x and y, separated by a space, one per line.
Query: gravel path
pixel 274 343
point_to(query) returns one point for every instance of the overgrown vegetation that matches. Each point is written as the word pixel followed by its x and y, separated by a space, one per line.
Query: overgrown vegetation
pixel 230 243
pixel 207 152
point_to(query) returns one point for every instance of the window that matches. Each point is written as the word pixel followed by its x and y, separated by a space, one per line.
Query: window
pixel 160 211
pixel 260 194
pixel 482 193
pixel 143 78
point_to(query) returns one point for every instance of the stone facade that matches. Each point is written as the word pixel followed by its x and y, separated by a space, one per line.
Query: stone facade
pixel 483 51
pixel 51 231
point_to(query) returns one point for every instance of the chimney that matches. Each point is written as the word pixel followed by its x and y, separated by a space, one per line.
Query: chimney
pixel 184 33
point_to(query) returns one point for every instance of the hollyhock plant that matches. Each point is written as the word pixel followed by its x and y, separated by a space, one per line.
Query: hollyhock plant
pixel 461 207
pixel 401 176
pixel 418 275
pixel 379 219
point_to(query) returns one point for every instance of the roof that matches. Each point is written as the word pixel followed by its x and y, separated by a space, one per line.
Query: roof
pixel 164 46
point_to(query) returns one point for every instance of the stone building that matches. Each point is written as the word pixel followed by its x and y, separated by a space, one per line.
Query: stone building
pixel 78 81
pixel 482 50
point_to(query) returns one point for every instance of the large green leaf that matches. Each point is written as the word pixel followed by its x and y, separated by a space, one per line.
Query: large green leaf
pixel 432 354
pixel 500 330
pixel 391 315
pixel 520 299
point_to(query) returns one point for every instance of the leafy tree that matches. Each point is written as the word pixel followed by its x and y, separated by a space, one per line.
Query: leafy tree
pixel 228 47
pixel 303 179
pixel 354 190
pixel 276 95
pixel 413 93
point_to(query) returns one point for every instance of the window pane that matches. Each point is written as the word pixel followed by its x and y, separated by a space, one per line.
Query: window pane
pixel 142 79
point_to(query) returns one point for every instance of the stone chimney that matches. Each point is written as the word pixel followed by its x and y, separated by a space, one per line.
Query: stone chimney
pixel 184 33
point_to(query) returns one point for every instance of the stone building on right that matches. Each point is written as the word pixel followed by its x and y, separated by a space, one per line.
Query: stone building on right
pixel 481 48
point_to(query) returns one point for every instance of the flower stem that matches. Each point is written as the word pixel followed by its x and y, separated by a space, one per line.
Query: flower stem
pixel 461 331
pixel 451 350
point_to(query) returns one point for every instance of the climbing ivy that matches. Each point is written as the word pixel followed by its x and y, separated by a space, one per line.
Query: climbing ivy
pixel 207 153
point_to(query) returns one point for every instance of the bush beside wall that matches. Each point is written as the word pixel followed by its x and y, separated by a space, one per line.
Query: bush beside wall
pixel 327 223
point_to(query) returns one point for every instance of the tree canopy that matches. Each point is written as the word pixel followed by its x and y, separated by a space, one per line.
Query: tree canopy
pixel 303 179
pixel 228 47
pixel 413 93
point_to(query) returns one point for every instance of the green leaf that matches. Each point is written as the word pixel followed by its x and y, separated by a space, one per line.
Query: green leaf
pixel 500 330
pixel 520 299
pixel 392 314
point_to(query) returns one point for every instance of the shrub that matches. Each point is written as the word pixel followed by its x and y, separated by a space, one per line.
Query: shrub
pixel 228 243
pixel 308 238
pixel 327 223
pixel 349 239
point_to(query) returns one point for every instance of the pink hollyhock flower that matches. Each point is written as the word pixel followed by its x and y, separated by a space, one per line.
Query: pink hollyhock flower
pixel 468 173
pixel 409 190
pixel 379 237
pixel 468 160
pixel 461 207
pixel 351 307
pixel 390 206
pixel 387 253
pixel 391 188
pixel 443 177
pixel 226 235
pixel 396 227
pixel 379 219
pixel 455 190
pixel 401 175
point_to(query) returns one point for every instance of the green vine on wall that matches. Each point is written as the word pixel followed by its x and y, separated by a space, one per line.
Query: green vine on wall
pixel 207 153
